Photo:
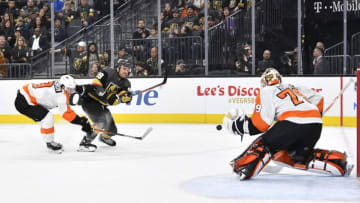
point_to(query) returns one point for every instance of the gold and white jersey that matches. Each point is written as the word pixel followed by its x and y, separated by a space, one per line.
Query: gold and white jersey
pixel 49 95
pixel 280 102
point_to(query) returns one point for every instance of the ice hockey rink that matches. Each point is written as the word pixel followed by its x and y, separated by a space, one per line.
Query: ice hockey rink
pixel 176 163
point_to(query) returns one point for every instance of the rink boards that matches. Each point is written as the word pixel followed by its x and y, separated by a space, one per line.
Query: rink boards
pixel 197 100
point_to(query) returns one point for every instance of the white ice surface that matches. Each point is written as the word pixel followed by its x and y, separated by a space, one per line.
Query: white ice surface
pixel 174 164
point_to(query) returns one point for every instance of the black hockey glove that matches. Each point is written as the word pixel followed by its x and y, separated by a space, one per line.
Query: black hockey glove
pixel 125 96
pixel 80 89
pixel 86 127
pixel 113 100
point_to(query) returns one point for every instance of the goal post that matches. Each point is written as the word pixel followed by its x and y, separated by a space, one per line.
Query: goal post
pixel 358 123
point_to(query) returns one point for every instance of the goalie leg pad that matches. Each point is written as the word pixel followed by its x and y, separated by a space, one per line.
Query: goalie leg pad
pixel 283 158
pixel 251 162
pixel 291 159
pixel 329 162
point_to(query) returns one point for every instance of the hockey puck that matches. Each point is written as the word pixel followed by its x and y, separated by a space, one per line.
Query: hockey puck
pixel 218 127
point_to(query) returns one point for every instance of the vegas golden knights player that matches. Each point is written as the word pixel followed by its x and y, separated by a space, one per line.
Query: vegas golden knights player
pixel 110 87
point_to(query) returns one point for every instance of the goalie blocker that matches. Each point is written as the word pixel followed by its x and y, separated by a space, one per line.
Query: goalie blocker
pixel 291 140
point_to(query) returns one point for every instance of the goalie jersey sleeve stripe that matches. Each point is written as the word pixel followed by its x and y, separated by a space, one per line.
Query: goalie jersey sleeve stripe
pixel 258 119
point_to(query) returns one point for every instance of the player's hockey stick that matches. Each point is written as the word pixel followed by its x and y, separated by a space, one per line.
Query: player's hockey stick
pixel 147 131
pixel 152 87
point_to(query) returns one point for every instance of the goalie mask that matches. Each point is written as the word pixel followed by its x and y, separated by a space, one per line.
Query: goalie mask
pixel 270 77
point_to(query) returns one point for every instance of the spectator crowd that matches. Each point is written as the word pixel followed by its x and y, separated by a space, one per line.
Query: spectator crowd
pixel 25 33
pixel 25 25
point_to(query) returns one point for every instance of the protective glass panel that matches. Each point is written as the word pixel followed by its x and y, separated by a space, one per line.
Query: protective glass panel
pixel 324 37
pixel 276 36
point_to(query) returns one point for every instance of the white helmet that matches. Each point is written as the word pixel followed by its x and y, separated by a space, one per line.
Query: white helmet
pixel 82 44
pixel 68 82
pixel 270 77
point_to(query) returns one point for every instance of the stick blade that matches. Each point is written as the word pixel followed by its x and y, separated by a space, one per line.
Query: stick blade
pixel 147 131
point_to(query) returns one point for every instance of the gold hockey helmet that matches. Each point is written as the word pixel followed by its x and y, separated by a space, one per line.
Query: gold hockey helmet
pixel 270 77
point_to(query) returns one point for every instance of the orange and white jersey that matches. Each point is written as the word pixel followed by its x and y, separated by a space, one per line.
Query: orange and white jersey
pixel 312 96
pixel 49 95
pixel 280 102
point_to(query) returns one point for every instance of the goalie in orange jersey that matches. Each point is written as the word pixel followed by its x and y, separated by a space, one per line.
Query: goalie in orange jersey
pixel 291 140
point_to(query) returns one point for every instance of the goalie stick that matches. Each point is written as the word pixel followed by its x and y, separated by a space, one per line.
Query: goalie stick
pixel 338 96
pixel 147 131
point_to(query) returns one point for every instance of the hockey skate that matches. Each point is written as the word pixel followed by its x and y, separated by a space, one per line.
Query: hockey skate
pixel 54 147
pixel 107 139
pixel 85 144
pixel 349 168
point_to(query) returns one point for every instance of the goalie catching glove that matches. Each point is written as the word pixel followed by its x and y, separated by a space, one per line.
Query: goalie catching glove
pixel 236 122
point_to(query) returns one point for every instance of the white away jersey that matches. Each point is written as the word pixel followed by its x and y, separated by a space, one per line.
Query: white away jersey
pixel 280 102
pixel 49 95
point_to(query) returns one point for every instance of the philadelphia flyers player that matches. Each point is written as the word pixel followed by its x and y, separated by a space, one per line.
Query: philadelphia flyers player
pixel 290 141
pixel 35 101
pixel 110 87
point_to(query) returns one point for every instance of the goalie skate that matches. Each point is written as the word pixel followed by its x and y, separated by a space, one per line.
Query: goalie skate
pixel 349 168
pixel 54 147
